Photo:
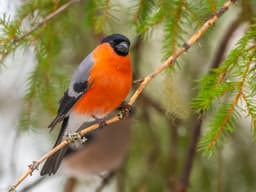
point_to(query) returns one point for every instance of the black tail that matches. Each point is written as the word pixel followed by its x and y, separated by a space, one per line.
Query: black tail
pixel 53 163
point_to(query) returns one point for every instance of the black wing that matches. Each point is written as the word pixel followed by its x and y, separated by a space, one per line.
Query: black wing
pixel 78 86
pixel 65 104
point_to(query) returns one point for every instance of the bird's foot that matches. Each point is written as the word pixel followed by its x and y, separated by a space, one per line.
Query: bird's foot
pixel 34 165
pixel 102 123
pixel 72 137
pixel 126 110
pixel 12 189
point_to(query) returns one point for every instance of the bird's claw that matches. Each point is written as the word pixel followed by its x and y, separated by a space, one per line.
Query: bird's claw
pixel 72 137
pixel 12 189
pixel 125 111
pixel 102 123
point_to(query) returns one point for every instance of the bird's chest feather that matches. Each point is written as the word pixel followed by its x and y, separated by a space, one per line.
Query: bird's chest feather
pixel 109 84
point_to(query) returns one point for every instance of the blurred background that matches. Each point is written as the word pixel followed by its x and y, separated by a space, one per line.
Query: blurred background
pixel 166 132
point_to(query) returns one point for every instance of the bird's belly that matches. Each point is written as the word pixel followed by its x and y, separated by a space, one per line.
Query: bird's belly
pixel 76 120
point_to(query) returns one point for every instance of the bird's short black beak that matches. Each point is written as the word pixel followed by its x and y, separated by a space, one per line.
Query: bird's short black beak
pixel 122 48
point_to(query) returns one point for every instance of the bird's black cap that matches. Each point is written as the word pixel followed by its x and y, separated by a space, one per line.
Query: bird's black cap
pixel 118 42
pixel 115 38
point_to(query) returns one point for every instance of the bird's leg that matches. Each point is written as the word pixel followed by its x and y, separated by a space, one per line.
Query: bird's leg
pixel 126 110
pixel 102 123
pixel 106 180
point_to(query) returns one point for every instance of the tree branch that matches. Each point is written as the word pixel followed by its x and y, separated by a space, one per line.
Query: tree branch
pixel 184 179
pixel 224 42
pixel 211 21
pixel 174 124
pixel 47 18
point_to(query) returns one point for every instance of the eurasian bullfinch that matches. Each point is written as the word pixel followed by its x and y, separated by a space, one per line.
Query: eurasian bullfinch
pixel 99 86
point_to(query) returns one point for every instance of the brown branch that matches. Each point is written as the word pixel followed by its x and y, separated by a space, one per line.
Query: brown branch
pixel 46 19
pixel 184 179
pixel 137 52
pixel 224 42
pixel 211 21
pixel 174 124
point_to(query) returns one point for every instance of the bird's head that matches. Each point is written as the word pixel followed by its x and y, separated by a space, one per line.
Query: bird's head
pixel 119 43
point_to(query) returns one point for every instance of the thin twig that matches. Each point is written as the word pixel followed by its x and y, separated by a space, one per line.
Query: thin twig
pixel 46 19
pixel 211 21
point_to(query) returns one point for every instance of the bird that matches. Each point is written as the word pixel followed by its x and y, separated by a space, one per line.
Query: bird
pixel 103 153
pixel 99 85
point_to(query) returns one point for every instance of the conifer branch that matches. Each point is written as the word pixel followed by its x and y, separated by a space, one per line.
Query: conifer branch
pixel 231 109
pixel 104 7
pixel 173 28
pixel 248 105
pixel 213 5
pixel 15 35
pixel 47 19
pixel 224 72
pixel 169 62
pixel 251 111
pixel 143 6
pixel 183 182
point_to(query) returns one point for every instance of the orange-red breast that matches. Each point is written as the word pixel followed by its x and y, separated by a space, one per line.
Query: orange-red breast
pixel 99 85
